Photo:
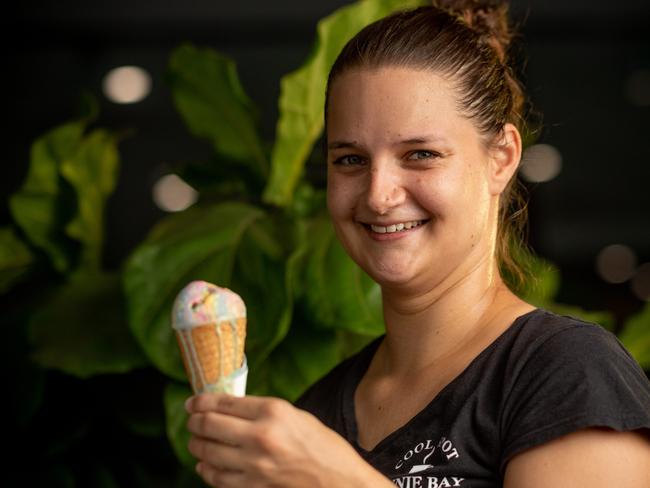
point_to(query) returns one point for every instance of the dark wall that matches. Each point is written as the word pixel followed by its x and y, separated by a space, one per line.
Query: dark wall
pixel 580 57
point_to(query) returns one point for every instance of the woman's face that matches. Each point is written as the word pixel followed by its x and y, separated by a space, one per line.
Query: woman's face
pixel 408 189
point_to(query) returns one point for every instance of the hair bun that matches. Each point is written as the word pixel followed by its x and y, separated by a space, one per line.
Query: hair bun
pixel 488 18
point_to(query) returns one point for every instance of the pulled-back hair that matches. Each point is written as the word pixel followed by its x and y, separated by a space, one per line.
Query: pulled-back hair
pixel 467 43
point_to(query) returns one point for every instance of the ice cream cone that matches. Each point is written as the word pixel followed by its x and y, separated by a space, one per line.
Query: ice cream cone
pixel 210 325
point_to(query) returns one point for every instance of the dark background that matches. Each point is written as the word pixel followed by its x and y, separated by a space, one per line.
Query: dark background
pixel 579 57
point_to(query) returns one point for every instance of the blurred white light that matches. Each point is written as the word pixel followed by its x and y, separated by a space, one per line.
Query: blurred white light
pixel 172 194
pixel 127 84
pixel 637 88
pixel 616 263
pixel 540 163
pixel 641 282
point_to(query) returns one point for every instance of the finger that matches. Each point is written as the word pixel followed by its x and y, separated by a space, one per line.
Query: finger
pixel 219 478
pixel 218 427
pixel 248 407
pixel 206 402
pixel 217 454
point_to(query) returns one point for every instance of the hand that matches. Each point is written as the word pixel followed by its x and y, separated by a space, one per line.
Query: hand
pixel 267 442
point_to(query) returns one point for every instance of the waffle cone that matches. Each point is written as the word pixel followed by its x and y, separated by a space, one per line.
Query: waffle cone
pixel 212 352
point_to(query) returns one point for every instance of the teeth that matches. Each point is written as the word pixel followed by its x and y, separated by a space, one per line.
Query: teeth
pixel 395 227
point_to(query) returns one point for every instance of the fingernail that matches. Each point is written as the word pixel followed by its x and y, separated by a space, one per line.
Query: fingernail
pixel 188 405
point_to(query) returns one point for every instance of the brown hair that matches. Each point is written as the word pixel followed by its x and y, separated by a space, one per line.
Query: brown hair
pixel 467 42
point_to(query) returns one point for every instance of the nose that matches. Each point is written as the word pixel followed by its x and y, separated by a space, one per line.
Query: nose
pixel 385 188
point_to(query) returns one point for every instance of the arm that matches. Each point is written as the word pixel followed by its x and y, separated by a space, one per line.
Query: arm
pixel 589 458
pixel 258 441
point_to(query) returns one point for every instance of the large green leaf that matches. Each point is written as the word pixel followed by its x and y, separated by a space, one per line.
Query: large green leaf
pixel 92 171
pixel 302 93
pixel 40 206
pixel 302 358
pixel 232 245
pixel 635 336
pixel 212 102
pixel 82 330
pixel 64 160
pixel 15 258
pixel 336 292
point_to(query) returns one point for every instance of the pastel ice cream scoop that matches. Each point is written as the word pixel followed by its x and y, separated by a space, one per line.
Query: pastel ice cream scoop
pixel 210 325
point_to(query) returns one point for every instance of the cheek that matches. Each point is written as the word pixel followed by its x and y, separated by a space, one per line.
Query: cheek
pixel 340 196
pixel 436 196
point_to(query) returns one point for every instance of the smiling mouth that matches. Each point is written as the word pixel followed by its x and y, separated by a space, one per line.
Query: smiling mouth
pixel 393 228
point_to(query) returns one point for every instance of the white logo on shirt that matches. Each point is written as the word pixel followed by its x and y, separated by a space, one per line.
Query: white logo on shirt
pixel 419 458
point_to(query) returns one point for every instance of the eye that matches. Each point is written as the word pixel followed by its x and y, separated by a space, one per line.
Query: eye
pixel 423 154
pixel 349 160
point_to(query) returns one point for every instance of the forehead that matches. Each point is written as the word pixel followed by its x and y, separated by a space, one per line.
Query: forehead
pixel 392 100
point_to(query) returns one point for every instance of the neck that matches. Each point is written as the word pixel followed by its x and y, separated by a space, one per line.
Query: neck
pixel 434 325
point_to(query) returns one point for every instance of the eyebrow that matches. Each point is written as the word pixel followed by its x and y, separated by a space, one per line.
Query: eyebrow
pixel 410 140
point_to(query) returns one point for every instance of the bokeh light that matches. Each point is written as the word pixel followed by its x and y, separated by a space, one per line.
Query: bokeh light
pixel 637 88
pixel 640 283
pixel 540 163
pixel 127 84
pixel 172 194
pixel 616 263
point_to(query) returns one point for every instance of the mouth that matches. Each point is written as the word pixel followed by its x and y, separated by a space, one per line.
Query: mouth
pixel 396 227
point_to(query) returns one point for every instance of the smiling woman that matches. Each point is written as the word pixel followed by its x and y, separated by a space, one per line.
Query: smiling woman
pixel 395 174
pixel 470 385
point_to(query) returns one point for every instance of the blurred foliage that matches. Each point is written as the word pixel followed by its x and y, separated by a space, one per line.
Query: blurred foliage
pixel 103 371
pixel 636 336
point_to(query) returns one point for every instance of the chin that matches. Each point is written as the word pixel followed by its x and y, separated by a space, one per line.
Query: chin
pixel 387 276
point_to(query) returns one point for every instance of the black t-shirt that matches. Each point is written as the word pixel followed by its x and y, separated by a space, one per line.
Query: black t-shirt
pixel 547 375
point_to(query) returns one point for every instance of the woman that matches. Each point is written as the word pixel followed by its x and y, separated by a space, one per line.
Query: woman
pixel 470 386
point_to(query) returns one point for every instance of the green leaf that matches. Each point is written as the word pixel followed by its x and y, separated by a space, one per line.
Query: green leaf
pixel 232 245
pixel 81 329
pixel 302 358
pixel 212 102
pixel 39 207
pixel 92 171
pixel 177 433
pixel 635 336
pixel 302 94
pixel 15 259
pixel 45 207
pixel 337 293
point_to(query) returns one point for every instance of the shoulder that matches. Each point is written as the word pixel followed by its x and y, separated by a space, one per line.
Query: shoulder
pixel 551 340
pixel 541 325
pixel 564 375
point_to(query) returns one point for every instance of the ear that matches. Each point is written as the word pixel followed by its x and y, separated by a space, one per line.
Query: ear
pixel 504 159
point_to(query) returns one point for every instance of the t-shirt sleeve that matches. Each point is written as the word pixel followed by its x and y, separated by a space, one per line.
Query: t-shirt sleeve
pixel 579 377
